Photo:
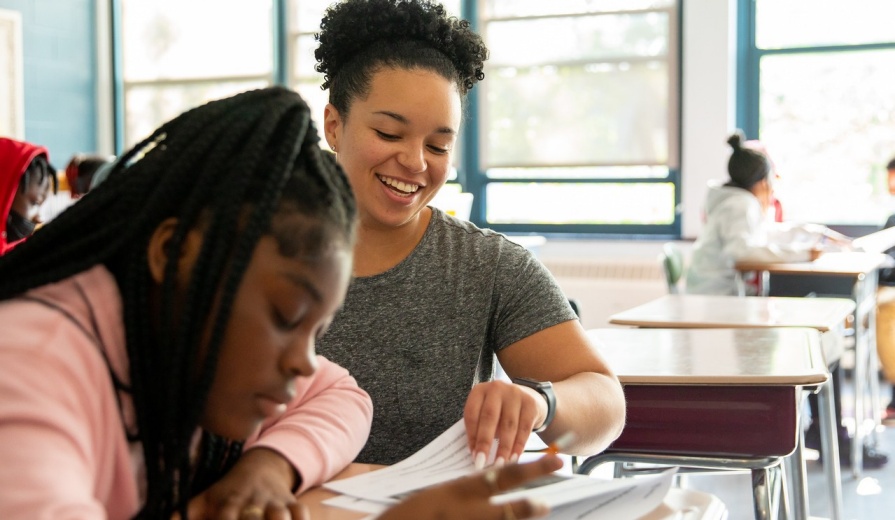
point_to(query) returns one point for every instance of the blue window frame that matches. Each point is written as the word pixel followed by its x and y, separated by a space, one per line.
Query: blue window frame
pixel 818 93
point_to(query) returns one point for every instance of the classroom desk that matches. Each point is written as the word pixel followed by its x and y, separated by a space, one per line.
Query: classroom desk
pixel 678 503
pixel 861 269
pixel 721 398
pixel 694 311
pixel 827 315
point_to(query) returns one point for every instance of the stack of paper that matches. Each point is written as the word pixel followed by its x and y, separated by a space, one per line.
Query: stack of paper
pixel 447 458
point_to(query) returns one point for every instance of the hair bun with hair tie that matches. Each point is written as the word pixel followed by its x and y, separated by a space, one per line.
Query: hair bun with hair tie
pixel 736 140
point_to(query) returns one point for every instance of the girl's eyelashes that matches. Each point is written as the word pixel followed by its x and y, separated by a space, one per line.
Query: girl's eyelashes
pixel 284 323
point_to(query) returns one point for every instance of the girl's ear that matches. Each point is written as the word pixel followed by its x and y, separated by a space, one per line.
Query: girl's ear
pixel 157 251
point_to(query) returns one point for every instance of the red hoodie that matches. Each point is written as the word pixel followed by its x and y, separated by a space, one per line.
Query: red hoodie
pixel 15 156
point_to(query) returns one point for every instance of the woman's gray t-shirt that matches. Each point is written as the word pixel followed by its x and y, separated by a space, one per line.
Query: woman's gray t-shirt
pixel 419 336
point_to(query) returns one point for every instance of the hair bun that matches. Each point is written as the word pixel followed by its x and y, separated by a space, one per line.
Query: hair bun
pixel 736 140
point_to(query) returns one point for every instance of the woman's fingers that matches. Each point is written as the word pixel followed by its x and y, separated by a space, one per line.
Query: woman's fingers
pixel 501 411
pixel 484 408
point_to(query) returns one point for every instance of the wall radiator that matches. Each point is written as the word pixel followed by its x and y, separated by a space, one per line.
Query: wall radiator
pixel 603 287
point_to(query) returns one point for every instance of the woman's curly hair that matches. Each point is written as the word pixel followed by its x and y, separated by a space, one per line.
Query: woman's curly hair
pixel 359 37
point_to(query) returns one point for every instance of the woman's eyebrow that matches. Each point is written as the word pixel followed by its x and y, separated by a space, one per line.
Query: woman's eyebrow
pixel 403 120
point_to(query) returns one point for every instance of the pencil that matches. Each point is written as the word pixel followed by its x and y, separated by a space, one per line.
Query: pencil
pixel 562 442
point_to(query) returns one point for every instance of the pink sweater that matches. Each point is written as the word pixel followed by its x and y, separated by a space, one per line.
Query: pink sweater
pixel 63 451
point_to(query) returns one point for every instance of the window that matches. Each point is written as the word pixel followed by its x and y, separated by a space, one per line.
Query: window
pixel 578 117
pixel 575 130
pixel 175 57
pixel 304 23
pixel 822 103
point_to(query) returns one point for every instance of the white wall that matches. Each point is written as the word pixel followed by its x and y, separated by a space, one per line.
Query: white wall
pixel 709 100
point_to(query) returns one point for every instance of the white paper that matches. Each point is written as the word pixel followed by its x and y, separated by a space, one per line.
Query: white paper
pixel 447 457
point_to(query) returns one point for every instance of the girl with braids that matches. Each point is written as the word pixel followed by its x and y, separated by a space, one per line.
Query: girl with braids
pixel 738 227
pixel 185 293
pixel 217 253
pixel 25 180
pixel 435 298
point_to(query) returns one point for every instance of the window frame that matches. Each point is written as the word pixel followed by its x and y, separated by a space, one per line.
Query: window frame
pixel 121 85
pixel 471 173
pixel 748 89
pixel 474 179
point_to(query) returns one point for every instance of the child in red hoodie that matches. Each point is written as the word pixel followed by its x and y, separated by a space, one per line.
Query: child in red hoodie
pixel 25 180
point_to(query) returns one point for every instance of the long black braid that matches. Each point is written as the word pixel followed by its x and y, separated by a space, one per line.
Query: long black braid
pixel 231 168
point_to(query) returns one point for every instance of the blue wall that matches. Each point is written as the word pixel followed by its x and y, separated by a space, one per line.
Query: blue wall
pixel 59 69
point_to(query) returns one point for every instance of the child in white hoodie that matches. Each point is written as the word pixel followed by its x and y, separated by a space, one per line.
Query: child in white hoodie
pixel 738 228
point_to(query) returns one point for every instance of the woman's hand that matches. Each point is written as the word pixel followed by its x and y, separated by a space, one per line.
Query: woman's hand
pixel 502 411
pixel 468 498
pixel 258 487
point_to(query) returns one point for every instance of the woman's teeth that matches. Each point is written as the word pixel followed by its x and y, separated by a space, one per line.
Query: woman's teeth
pixel 399 186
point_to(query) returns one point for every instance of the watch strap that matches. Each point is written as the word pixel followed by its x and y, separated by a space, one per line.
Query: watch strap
pixel 545 388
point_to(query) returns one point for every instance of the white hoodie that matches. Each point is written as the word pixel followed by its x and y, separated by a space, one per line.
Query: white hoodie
pixel 737 229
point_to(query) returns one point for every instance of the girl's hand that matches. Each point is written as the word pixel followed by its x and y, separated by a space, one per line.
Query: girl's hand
pixel 502 411
pixel 468 498
pixel 258 487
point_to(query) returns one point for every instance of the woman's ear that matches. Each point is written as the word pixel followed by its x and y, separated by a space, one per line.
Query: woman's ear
pixel 332 124
pixel 157 251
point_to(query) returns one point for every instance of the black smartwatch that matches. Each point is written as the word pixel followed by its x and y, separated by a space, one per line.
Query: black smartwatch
pixel 544 388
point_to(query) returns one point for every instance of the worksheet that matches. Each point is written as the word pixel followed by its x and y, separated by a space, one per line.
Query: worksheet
pixel 447 458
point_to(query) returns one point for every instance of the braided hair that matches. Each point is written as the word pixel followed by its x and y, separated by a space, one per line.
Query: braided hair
pixel 232 168
pixel 360 37
pixel 746 166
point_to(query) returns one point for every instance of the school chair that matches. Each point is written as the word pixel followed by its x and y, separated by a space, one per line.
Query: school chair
pixel 672 261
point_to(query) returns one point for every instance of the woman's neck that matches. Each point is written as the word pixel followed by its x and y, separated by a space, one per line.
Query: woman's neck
pixel 379 248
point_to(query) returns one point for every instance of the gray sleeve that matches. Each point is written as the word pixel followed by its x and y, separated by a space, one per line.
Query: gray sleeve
pixel 528 298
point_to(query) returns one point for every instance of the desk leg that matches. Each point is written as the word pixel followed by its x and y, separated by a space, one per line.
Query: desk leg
pixel 829 445
pixel 741 285
pixel 795 469
pixel 866 368
pixel 870 288
pixel 768 492
pixel 860 379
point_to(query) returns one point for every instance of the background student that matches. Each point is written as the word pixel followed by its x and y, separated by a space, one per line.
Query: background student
pixel 885 317
pixel 26 178
pixel 738 226
pixel 141 354
pixel 435 298
pixel 80 170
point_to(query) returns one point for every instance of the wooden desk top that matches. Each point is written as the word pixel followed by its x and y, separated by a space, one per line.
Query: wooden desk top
pixel 781 356
pixel 676 503
pixel 712 312
pixel 831 264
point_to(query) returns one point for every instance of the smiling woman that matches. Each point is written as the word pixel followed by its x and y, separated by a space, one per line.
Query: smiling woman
pixel 435 299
